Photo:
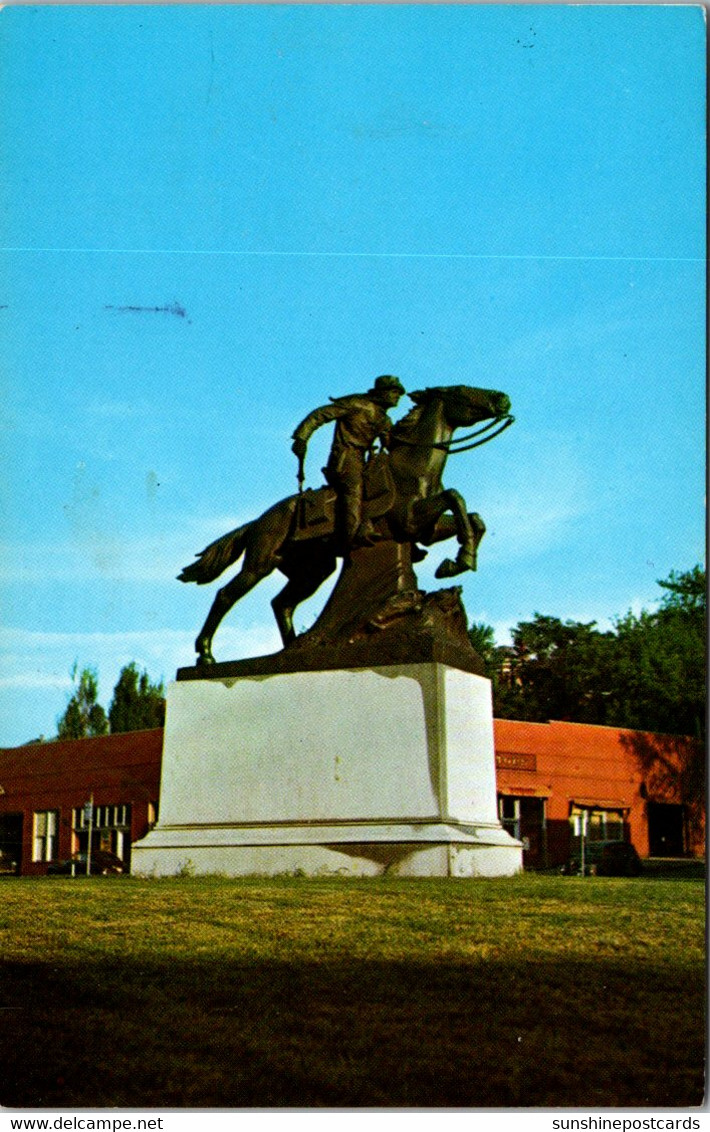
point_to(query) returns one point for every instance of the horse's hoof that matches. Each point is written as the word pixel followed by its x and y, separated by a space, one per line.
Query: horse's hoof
pixel 450 568
pixel 447 569
pixel 204 657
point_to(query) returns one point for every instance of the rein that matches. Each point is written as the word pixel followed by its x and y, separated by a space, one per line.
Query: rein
pixel 494 428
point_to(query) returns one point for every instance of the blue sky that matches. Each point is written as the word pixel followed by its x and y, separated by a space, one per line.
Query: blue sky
pixel 303 197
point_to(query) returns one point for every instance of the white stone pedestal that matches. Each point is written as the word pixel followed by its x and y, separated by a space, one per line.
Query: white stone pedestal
pixel 354 772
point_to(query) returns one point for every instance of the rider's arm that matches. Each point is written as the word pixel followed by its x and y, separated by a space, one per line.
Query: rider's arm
pixel 317 418
pixel 386 436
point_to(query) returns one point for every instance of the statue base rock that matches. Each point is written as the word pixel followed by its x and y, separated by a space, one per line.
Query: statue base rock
pixel 353 772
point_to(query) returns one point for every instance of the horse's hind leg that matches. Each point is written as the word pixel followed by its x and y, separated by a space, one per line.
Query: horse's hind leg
pixel 226 597
pixel 303 581
pixel 262 555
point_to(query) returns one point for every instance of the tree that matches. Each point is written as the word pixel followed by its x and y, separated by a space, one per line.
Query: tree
pixel 482 637
pixel 553 670
pixel 687 592
pixel 83 716
pixel 647 674
pixel 660 662
pixel 137 704
pixel 662 684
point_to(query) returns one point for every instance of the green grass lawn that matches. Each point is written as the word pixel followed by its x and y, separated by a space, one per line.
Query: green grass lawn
pixel 535 991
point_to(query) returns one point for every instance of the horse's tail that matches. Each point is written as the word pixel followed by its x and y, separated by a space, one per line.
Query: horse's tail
pixel 216 557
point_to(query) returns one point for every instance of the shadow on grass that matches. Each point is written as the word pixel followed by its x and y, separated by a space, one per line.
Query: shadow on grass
pixel 673 868
pixel 351 1034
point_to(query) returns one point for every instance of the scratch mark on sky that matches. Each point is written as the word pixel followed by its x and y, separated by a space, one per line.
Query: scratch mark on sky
pixel 171 308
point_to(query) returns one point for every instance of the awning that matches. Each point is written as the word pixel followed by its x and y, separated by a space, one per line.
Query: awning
pixel 524 791
pixel 600 804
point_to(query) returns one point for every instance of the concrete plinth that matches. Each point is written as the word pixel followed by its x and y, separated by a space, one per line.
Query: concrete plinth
pixel 353 772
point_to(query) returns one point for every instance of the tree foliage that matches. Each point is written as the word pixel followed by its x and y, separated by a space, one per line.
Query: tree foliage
pixel 661 661
pixel 551 671
pixel 137 703
pixel 83 715
pixel 482 637
pixel 687 591
pixel 647 673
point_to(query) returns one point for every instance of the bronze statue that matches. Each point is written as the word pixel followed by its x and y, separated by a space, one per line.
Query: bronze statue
pixel 403 501
pixel 360 420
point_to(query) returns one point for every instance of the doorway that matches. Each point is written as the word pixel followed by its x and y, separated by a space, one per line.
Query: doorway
pixel 524 818
pixel 665 830
pixel 10 844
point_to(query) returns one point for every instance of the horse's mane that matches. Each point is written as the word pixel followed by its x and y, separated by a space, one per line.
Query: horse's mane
pixel 407 425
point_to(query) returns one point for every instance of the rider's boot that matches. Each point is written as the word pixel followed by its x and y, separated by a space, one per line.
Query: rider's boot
pixel 366 535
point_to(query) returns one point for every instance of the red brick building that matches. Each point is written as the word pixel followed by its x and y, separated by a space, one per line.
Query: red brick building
pixel 556 782
pixel 44 788
pixel 559 781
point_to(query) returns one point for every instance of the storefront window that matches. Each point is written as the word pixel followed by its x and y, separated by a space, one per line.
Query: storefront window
pixel 110 829
pixel 509 814
pixel 46 827
pixel 597 825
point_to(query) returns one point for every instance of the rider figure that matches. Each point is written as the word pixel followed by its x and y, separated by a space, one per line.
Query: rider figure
pixel 361 419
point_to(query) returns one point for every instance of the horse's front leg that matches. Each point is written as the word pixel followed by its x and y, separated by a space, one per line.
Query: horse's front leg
pixel 445 528
pixel 466 557
pixel 430 510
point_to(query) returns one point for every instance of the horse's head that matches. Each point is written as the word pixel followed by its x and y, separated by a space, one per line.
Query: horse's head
pixel 465 405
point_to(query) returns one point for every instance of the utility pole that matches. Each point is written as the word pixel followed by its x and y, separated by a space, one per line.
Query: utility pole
pixel 89 811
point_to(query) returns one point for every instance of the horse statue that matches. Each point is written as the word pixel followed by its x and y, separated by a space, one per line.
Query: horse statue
pixel 404 499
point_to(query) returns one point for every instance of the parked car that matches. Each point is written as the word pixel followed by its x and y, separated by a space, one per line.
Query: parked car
pixel 103 863
pixel 605 859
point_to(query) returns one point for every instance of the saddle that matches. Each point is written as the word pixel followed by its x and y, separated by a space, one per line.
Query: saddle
pixel 315 510
pixel 315 513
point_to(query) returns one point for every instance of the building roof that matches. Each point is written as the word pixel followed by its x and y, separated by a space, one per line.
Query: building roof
pixel 81 757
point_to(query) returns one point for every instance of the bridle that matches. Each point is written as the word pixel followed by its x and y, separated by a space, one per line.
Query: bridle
pixel 494 428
